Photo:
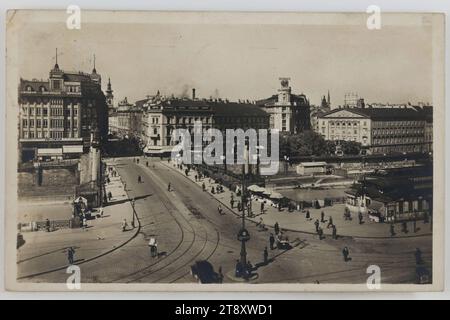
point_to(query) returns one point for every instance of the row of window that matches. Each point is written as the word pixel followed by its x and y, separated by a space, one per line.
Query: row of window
pixel 380 124
pixel 46 134
pixel 344 124
pixel 54 123
pixel 397 140
pixel 38 111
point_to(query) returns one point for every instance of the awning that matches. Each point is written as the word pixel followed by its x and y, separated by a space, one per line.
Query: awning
pixel 49 152
pixel 255 188
pixel 73 149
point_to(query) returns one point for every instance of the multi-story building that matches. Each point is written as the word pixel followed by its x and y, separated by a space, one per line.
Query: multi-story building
pixel 125 121
pixel 163 115
pixel 380 130
pixel 288 112
pixel 59 117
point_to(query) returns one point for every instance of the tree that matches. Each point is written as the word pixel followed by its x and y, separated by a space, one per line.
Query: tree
pixel 305 143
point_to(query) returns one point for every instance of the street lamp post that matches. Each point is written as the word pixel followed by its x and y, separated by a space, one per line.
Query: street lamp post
pixel 132 213
pixel 244 235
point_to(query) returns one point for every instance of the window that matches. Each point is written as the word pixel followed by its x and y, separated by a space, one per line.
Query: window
pixel 31 123
pixel 44 111
pixel 38 123
pixel 45 123
pixel 24 123
pixel 56 84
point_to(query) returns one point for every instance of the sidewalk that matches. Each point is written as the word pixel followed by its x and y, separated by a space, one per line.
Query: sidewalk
pixel 47 251
pixel 296 220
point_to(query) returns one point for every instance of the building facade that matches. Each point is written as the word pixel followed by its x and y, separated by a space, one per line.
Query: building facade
pixel 162 115
pixel 288 112
pixel 394 194
pixel 126 120
pixel 60 117
pixel 380 130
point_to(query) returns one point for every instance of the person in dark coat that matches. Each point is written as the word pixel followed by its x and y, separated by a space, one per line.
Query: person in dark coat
pixel 271 241
pixel 317 223
pixel 276 228
pixel 322 216
pixel 70 255
pixel 330 222
pixel 345 253
pixel 360 217
pixel 266 255
pixel 334 232
pixel 308 215
pixel 47 225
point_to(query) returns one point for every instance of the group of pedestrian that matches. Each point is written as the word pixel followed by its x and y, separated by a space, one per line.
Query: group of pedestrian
pixel 330 224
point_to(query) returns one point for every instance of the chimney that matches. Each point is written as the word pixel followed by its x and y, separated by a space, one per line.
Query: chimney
pixel 193 93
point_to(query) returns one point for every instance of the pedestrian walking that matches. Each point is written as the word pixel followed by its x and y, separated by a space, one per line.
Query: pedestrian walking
pixel 320 233
pixel 84 222
pixel 219 208
pixel 196 178
pixel 203 187
pixel 271 241
pixel 316 224
pixel 168 187
pixel 276 227
pixel 232 203
pixel 360 217
pixel 146 163
pixel 239 206
pixel 100 211
pixel 47 225
pixel 392 229
pixel 345 253
pixel 124 225
pixel 139 179
pixel 262 207
pixel 334 232
pixel 70 255
pixel 322 216
pixel 308 215
pixel 265 256
pixel 213 191
pixel 151 245
pixel 330 222
pixel 137 161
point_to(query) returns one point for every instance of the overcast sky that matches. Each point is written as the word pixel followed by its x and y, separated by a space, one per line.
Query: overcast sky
pixel 238 61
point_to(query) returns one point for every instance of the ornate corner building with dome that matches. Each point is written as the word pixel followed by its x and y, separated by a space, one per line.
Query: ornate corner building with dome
pixel 289 113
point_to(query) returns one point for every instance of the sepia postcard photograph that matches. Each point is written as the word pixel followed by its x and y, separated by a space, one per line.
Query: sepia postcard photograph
pixel 224 151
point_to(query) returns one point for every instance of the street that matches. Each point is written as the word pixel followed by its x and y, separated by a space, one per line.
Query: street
pixel 188 228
